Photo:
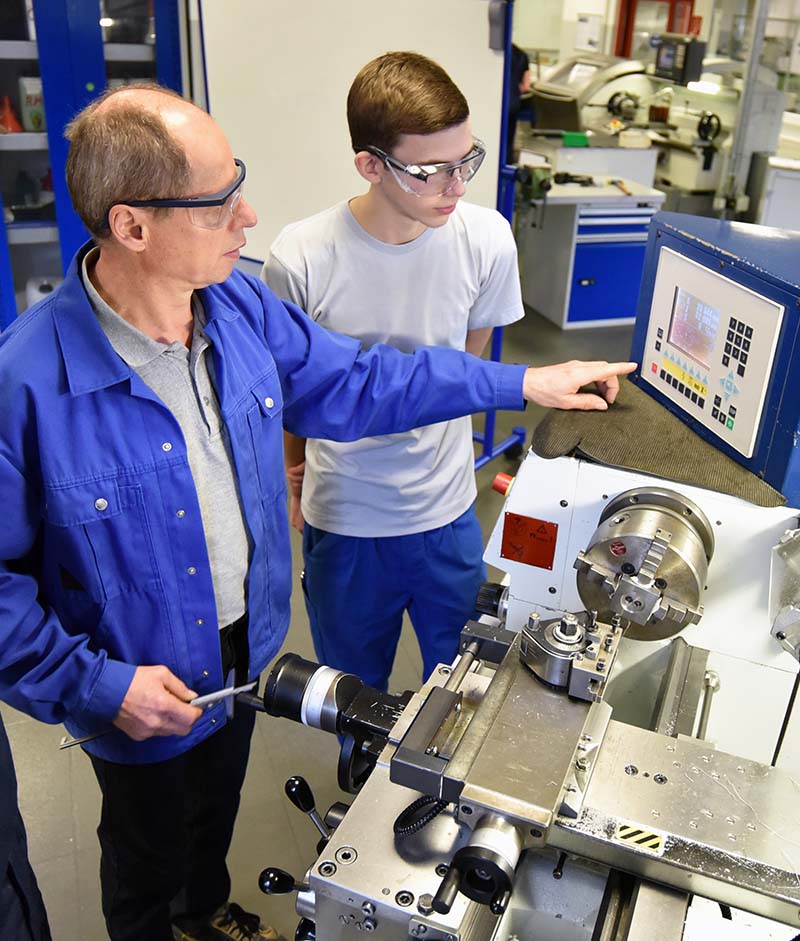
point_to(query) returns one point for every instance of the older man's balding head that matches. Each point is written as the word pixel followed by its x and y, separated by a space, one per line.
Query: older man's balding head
pixel 129 144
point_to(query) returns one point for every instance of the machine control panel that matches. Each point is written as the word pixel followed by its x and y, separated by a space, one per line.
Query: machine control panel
pixel 710 347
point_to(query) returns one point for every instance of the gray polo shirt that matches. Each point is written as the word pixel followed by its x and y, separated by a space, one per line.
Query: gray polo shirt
pixel 183 379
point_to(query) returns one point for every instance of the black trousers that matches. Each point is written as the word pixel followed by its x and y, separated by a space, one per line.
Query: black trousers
pixel 165 828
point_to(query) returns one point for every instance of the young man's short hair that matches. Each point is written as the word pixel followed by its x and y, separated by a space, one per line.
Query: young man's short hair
pixel 401 93
pixel 121 153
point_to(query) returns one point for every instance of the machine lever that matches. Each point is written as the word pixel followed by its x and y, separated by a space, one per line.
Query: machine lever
pixel 299 793
pixel 448 890
pixel 274 881
pixel 558 872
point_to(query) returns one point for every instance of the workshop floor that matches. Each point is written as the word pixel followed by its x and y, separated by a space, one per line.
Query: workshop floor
pixel 58 793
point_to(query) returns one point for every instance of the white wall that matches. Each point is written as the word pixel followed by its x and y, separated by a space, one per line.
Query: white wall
pixel 278 76
pixel 537 23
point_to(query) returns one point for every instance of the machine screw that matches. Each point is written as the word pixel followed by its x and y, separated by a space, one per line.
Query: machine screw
pixel 466 810
pixel 419 930
pixel 631 770
pixel 327 869
pixel 369 924
pixel 552 590
pixel 628 568
pixel 425 904
pixel 445 671
pixel 581 764
pixel 536 833
pixel 660 778
pixel 441 870
pixel 346 855
pixel 601 665
pixel 564 503
pixel 403 898
pixel 368 908
pixel 780 636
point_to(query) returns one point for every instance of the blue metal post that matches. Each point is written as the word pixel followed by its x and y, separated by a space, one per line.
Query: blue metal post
pixel 505 205
pixel 168 45
pixel 8 300
pixel 73 73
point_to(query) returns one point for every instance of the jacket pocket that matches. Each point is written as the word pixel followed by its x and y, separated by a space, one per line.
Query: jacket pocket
pixel 264 420
pixel 99 538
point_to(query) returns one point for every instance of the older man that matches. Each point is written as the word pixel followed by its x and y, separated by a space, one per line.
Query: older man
pixel 145 530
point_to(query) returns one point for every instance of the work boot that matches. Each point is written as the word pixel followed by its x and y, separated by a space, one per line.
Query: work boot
pixel 229 923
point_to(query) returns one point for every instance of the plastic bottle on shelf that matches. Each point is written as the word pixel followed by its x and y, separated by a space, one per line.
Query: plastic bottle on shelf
pixel 9 122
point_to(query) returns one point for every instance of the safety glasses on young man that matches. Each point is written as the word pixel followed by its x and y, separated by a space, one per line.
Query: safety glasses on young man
pixel 207 212
pixel 432 179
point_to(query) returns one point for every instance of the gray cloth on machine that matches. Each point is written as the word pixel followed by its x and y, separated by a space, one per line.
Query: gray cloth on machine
pixel 637 433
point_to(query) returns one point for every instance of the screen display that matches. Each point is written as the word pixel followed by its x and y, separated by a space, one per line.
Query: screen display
pixel 665 57
pixel 693 327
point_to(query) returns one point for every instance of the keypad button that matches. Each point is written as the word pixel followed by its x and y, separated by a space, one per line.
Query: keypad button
pixel 726 360
pixel 731 335
pixel 694 397
pixel 733 322
pixel 658 346
pixel 662 375
pixel 721 418
pixel 740 370
pixel 660 333
pixel 746 345
pixel 738 339
pixel 715 412
pixel 748 332
pixel 728 348
pixel 732 411
pixel 717 400
pixel 736 352
pixel 743 358
pixel 740 327
pixel 701 403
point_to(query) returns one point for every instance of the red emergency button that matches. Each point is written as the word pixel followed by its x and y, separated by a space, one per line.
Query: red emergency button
pixel 502 483
pixel 653 367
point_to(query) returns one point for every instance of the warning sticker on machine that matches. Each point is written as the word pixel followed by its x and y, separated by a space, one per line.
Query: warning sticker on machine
pixel 529 540
pixel 647 840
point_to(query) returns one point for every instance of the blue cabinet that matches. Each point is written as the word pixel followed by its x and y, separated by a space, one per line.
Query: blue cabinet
pixel 75 48
pixel 582 253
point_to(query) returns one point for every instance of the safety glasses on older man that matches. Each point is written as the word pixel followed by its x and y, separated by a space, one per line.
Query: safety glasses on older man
pixel 207 212
pixel 433 179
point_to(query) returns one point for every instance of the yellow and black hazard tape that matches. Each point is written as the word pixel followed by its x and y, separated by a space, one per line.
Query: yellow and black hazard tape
pixel 647 840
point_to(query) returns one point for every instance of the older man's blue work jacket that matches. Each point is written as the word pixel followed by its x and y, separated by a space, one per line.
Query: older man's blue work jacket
pixel 105 564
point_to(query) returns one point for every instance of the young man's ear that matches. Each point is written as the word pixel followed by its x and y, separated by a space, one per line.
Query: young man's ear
pixel 370 167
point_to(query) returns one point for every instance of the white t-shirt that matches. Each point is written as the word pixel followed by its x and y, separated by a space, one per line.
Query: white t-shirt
pixel 458 277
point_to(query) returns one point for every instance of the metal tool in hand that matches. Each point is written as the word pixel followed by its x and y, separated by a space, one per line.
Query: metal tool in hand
pixel 201 701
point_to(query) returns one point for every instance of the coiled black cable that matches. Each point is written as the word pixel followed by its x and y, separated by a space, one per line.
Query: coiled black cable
pixel 417 815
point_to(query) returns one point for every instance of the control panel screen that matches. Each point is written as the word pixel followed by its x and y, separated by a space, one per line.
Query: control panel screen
pixel 710 347
pixel 693 327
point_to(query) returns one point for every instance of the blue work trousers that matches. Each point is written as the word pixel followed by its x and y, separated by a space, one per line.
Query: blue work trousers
pixel 358 588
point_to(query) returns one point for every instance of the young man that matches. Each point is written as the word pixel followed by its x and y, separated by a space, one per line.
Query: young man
pixel 389 522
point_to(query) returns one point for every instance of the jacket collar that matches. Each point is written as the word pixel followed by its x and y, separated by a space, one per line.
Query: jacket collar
pixel 89 359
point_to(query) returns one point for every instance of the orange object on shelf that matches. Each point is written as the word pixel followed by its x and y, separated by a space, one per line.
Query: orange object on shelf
pixel 8 120
pixel 502 483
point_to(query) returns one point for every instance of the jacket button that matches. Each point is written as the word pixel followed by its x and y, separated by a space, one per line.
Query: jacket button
pixel 166 446
pixel 205 673
pixel 269 402
pixel 200 621
pixel 192 570
pixel 101 503
pixel 180 514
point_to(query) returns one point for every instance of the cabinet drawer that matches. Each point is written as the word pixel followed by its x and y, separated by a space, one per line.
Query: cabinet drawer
pixel 605 280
